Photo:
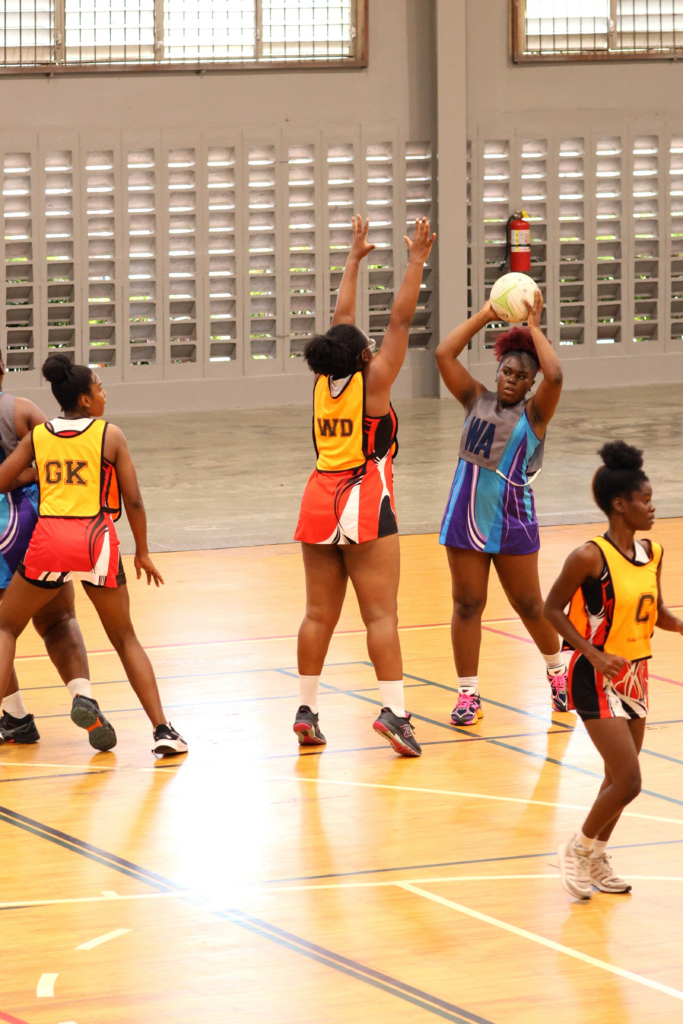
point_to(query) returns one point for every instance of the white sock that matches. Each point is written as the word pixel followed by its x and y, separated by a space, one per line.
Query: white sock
pixel 583 841
pixel 599 847
pixel 468 685
pixel 308 691
pixel 14 705
pixel 79 688
pixel 555 662
pixel 391 695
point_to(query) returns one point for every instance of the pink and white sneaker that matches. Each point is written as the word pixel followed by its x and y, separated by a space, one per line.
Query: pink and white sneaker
pixel 468 710
pixel 558 690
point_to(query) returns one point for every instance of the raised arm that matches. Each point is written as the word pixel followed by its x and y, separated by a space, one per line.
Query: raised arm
pixel 585 563
pixel 345 309
pixel 385 366
pixel 116 450
pixel 544 403
pixel 454 374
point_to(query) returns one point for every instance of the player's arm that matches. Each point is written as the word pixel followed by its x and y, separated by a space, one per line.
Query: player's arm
pixel 386 365
pixel 455 374
pixel 116 451
pixel 585 563
pixel 665 618
pixel 544 403
pixel 345 309
pixel 27 415
pixel 17 470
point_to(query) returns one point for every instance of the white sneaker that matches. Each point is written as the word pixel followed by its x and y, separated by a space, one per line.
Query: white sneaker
pixel 575 870
pixel 168 741
pixel 604 878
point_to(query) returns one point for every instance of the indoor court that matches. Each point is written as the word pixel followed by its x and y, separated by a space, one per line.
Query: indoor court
pixel 347 884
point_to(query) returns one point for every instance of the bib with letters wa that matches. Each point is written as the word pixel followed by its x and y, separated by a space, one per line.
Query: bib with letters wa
pixel 488 430
pixel 70 471
pixel 338 432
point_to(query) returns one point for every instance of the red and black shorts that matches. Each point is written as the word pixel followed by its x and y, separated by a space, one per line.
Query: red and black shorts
pixel 67 549
pixel 591 695
pixel 349 507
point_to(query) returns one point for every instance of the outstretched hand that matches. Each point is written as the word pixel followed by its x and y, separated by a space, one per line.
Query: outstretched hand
pixel 422 243
pixel 143 563
pixel 488 311
pixel 361 247
pixel 534 317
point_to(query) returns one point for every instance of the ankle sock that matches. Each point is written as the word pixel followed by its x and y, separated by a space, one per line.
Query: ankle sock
pixel 584 844
pixel 79 688
pixel 391 695
pixel 469 685
pixel 308 691
pixel 599 848
pixel 14 705
pixel 554 662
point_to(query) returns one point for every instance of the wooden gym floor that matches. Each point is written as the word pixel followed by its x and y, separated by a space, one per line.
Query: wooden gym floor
pixel 249 883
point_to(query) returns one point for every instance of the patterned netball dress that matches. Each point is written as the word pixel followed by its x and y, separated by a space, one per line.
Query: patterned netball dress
pixel 491 505
pixel 18 508
pixel 349 498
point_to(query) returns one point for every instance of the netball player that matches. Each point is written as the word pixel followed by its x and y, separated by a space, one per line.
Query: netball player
pixel 490 516
pixel 613 588
pixel 81 462
pixel 56 622
pixel 347 525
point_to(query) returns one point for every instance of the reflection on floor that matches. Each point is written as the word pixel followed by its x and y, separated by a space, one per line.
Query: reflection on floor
pixel 251 883
pixel 219 479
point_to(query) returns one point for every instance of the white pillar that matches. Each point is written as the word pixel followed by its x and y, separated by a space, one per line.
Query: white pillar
pixel 451 50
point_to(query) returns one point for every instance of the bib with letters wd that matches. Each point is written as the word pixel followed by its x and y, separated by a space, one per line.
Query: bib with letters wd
pixel 618 612
pixel 488 431
pixel 338 432
pixel 70 471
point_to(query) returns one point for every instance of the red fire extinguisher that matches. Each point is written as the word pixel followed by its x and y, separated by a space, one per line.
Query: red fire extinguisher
pixel 518 242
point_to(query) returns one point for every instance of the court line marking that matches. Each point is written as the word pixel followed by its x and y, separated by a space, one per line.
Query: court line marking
pixel 46 986
pixel 473 796
pixel 101 939
pixel 541 941
pixel 10 1019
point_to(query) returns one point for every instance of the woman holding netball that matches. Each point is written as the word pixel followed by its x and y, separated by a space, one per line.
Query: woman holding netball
pixel 490 515
pixel 613 588
pixel 81 462
pixel 347 524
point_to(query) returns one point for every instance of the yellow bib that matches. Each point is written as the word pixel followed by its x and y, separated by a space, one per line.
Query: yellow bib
pixel 70 471
pixel 338 425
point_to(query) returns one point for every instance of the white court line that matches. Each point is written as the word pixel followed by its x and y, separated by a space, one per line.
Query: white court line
pixel 104 938
pixel 541 941
pixel 46 985
pixel 110 894
pixel 468 796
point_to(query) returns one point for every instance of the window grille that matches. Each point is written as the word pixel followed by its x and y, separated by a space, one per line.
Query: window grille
pixel 97 35
pixel 564 30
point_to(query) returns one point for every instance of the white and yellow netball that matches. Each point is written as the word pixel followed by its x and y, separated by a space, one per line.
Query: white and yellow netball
pixel 508 295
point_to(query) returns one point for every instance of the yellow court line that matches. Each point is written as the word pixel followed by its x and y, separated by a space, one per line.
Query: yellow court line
pixel 541 941
pixel 467 796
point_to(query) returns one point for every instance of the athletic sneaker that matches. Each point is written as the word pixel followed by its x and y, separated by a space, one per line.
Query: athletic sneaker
pixel 18 730
pixel 604 878
pixel 575 869
pixel 168 741
pixel 468 710
pixel 86 714
pixel 397 731
pixel 558 690
pixel 307 729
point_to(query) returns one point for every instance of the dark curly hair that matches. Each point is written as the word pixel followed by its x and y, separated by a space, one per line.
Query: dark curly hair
pixel 69 381
pixel 516 342
pixel 335 354
pixel 620 474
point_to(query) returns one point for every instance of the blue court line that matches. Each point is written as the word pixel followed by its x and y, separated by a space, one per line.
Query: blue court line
pixel 455 863
pixel 61 775
pixel 352 968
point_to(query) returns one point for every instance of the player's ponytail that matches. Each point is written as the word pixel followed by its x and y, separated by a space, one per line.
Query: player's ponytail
pixel 69 381
pixel 335 354
pixel 620 474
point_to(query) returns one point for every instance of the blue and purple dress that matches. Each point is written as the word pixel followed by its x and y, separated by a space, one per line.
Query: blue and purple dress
pixel 491 505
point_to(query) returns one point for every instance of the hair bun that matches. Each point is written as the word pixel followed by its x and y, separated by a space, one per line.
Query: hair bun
pixel 56 368
pixel 619 455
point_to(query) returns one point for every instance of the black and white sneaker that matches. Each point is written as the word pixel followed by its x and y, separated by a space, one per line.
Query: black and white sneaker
pixel 18 730
pixel 397 731
pixel 307 729
pixel 168 741
pixel 86 714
